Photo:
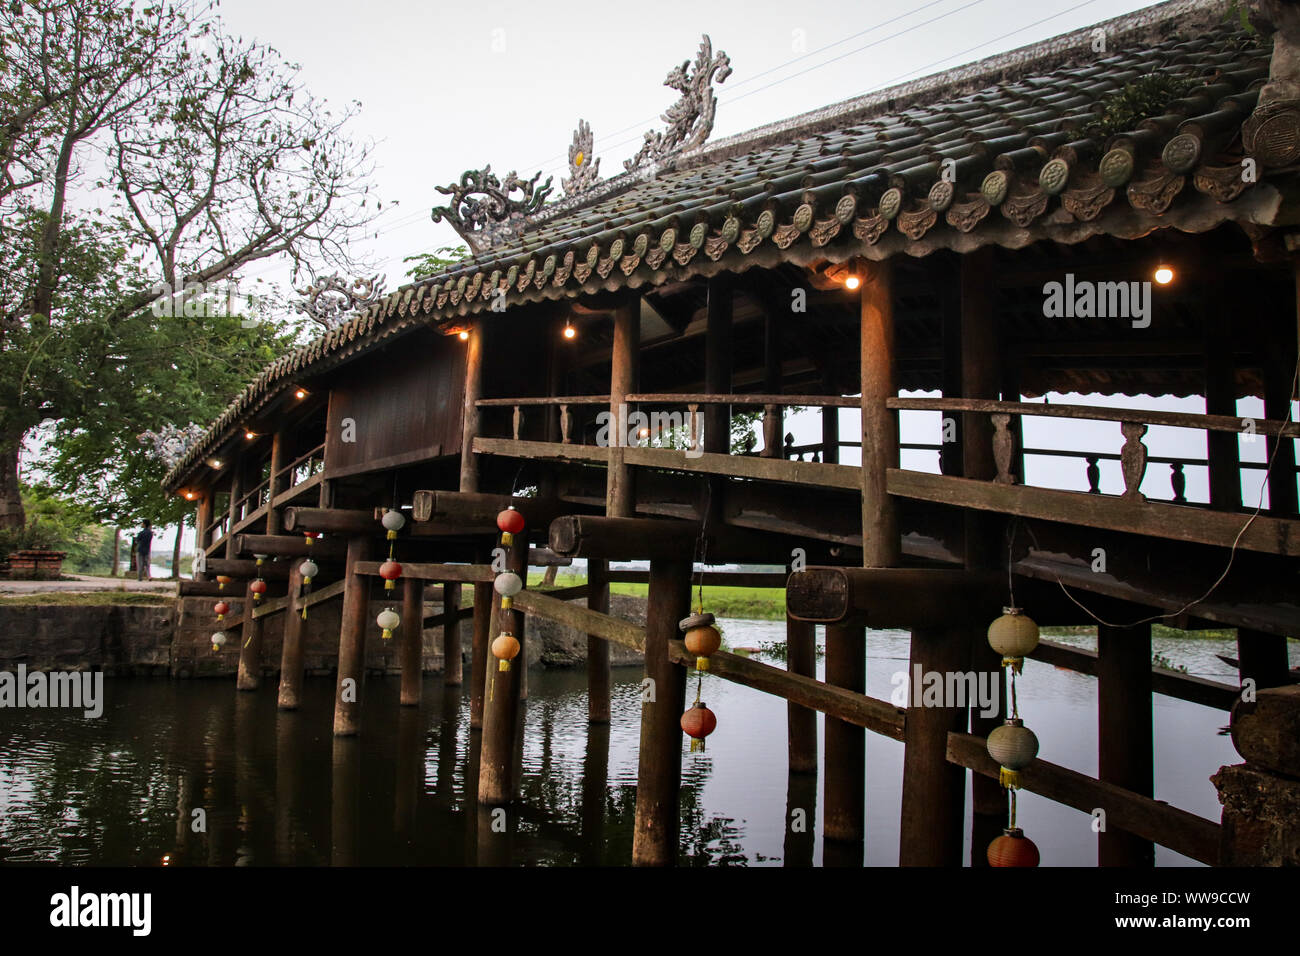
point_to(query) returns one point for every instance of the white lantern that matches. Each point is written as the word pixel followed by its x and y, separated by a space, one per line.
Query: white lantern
pixel 218 639
pixel 308 570
pixel 508 584
pixel 389 621
pixel 394 521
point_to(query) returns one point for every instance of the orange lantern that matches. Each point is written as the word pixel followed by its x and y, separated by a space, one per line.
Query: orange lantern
pixel 258 588
pixel 1013 848
pixel 698 723
pixel 702 638
pixel 505 649
pixel 390 571
pixel 511 523
pixel 222 581
pixel 222 609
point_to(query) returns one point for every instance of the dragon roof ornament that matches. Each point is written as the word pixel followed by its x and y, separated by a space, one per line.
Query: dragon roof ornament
pixel 170 443
pixel 331 301
pixel 484 222
pixel 584 170
pixel 689 120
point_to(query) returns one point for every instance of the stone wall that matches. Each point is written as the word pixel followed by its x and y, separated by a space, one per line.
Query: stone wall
pixel 119 639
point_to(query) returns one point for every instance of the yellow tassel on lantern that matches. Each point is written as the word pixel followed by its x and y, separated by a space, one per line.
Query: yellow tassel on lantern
pixel 503 665
pixel 392 536
pixel 388 633
pixel 507 602
pixel 389 585
pixel 701 663
pixel 304 614
pixel 506 538
pixel 1008 778
pixel 697 745
pixel 1017 662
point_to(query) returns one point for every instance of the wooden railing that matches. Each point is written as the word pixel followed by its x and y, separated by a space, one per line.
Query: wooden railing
pixel 301 468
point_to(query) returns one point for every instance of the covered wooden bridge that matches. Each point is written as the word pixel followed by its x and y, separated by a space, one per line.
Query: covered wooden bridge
pixel 1110 217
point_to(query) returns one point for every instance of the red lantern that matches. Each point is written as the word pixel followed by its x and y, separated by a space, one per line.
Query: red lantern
pixel 222 609
pixel 511 522
pixel 390 571
pixel 698 723
pixel 258 588
pixel 1013 848
pixel 311 536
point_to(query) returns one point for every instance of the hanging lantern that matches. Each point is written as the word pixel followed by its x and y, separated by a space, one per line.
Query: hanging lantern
pixel 507 584
pixel 698 723
pixel 258 588
pixel 218 639
pixel 222 581
pixel 222 609
pixel 393 520
pixel 505 649
pixel 390 571
pixel 511 522
pixel 1014 746
pixel 702 638
pixel 308 570
pixel 1013 848
pixel 1014 635
pixel 389 621
pixel 311 536
pixel 261 558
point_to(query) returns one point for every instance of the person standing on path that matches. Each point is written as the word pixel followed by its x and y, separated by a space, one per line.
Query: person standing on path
pixel 143 543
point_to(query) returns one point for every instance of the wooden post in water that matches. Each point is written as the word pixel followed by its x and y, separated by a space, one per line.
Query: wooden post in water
pixel 291 651
pixel 352 642
pixel 453 665
pixel 934 790
pixel 249 674
pixel 598 677
pixel 801 722
pixel 273 482
pixel 845 793
pixel 880 542
pixel 410 641
pixel 1221 399
pixel 1262 657
pixel 659 767
pixel 480 641
pixel 501 709
pixel 1124 732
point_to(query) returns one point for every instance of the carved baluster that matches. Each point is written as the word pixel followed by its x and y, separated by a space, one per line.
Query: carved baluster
pixel 518 421
pixel 1178 482
pixel 566 423
pixel 1094 475
pixel 788 450
pixel 1133 458
pixel 1004 444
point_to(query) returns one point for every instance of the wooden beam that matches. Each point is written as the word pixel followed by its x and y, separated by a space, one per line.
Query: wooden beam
pixel 747 466
pixel 273 481
pixel 248 568
pixel 844 810
pixel 622 539
pixel 1170 683
pixel 352 642
pixel 480 640
pixel 1124 734
pixel 461 573
pixel 249 673
pixel 410 642
pixel 880 540
pixel 289 694
pixel 452 661
pixel 715 579
pixel 332 520
pixel 894 597
pixel 620 496
pixel 1142 816
pixel 501 709
pixel 1158 519
pixel 585 620
pixel 470 418
pixel 288 546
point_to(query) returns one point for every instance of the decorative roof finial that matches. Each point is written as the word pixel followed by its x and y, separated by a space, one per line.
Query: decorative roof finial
pixel 482 222
pixel 331 301
pixel 584 170
pixel 689 120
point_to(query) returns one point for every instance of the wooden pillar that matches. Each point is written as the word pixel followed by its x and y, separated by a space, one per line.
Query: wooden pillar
pixel 1221 399
pixel 717 363
pixel 659 767
pixel 249 674
pixel 410 642
pixel 352 642
pixel 598 677
pixel 845 760
pixel 236 489
pixel 773 423
pixel 801 722
pixel 453 664
pixel 1279 378
pixel 273 483
pixel 201 537
pixel 1124 732
pixel 880 543
pixel 1262 657
pixel 480 641
pixel 620 497
pixel 830 420
pixel 470 415
pixel 501 709
pixel 934 790
pixel 291 651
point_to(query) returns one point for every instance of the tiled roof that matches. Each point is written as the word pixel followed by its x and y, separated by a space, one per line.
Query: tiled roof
pixel 1002 151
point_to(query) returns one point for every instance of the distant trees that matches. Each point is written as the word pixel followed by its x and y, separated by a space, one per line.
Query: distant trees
pixel 146 155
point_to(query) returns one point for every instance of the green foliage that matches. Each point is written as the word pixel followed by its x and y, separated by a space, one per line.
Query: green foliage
pixel 56 524
pixel 428 264
pixel 1143 98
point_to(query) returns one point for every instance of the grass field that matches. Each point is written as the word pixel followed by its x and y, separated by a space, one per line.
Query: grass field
pixel 88 598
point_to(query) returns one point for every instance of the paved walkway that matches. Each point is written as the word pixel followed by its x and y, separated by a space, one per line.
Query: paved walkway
pixel 85 583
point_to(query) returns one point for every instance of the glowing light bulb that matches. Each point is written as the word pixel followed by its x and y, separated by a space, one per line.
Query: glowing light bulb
pixel 301 393
pixel 852 282
pixel 569 331
pixel 1164 274
pixel 463 335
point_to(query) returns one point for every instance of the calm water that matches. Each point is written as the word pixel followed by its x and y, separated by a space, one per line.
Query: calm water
pixel 277 788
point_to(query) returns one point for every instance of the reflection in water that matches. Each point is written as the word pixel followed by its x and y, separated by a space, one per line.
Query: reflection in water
pixel 275 787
